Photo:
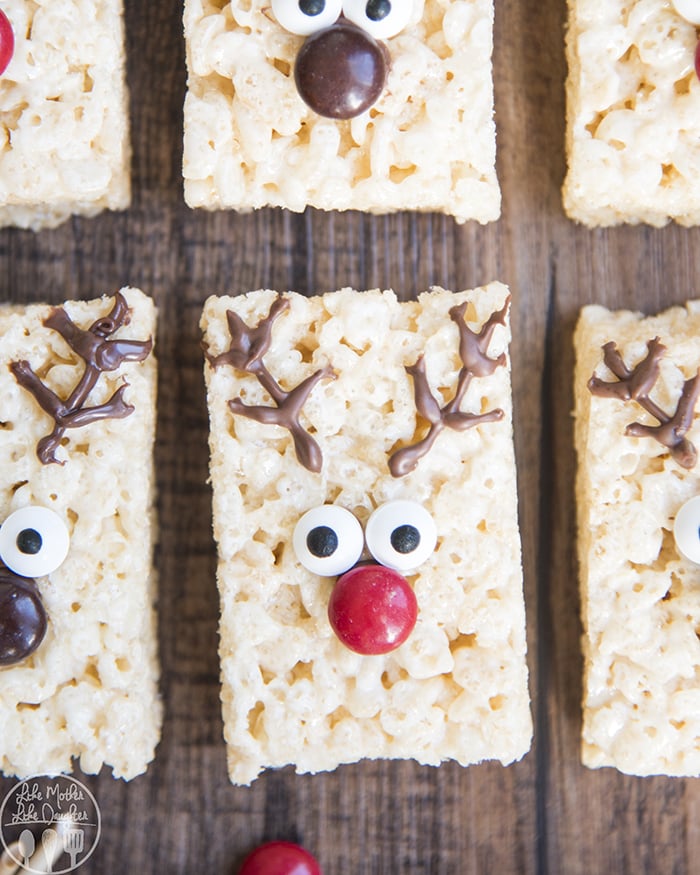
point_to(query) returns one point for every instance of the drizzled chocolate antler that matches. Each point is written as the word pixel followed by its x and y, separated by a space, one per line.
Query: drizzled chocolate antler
pixel 636 384
pixel 100 355
pixel 473 348
pixel 248 346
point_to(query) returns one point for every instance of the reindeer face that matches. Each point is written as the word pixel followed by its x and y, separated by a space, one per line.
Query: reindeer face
pixel 369 570
pixel 78 662
pixel 34 539
pixel 637 383
pixel 341 69
pixel 372 608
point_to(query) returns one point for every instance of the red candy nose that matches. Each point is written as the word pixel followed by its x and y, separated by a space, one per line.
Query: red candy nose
pixel 372 609
pixel 7 42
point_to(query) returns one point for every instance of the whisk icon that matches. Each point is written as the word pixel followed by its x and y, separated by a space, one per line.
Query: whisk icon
pixel 49 840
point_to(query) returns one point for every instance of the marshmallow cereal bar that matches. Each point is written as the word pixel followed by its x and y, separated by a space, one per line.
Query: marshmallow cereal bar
pixel 64 131
pixel 78 663
pixel 366 104
pixel 638 492
pixel 633 112
pixel 365 513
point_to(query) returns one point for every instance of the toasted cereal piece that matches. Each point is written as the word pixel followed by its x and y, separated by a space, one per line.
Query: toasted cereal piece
pixel 315 409
pixel 633 114
pixel 64 136
pixel 78 669
pixel 427 143
pixel 637 434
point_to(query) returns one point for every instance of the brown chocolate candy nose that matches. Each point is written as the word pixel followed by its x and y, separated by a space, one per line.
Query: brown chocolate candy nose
pixel 340 71
pixel 22 618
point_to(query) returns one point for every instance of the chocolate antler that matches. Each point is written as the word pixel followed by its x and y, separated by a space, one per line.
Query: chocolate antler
pixel 100 355
pixel 636 384
pixel 473 348
pixel 248 346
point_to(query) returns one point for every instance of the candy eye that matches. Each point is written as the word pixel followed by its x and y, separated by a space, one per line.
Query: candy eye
pixel 306 16
pixel 379 18
pixel 401 535
pixel 686 530
pixel 688 9
pixel 33 541
pixel 328 540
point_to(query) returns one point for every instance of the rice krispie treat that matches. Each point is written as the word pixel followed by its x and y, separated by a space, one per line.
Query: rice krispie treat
pixel 389 107
pixel 64 133
pixel 633 112
pixel 365 514
pixel 638 483
pixel 78 663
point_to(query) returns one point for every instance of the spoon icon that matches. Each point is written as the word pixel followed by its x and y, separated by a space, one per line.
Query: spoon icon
pixel 27 846
pixel 49 839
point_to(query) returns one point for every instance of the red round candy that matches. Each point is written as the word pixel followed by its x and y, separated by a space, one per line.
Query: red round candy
pixel 697 60
pixel 372 609
pixel 7 42
pixel 280 858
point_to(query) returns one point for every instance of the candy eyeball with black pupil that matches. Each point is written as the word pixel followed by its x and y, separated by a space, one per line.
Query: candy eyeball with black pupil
pixel 379 18
pixel 686 530
pixel 401 535
pixel 688 9
pixel 304 17
pixel 328 540
pixel 34 541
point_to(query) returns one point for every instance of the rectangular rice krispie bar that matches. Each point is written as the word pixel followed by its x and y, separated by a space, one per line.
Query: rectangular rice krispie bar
pixel 77 411
pixel 633 113
pixel 637 433
pixel 428 143
pixel 64 127
pixel 346 371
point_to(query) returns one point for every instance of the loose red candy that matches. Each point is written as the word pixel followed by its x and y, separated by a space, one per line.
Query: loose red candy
pixel 372 609
pixel 7 42
pixel 280 858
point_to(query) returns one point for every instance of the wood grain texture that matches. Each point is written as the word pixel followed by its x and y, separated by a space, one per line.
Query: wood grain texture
pixel 544 816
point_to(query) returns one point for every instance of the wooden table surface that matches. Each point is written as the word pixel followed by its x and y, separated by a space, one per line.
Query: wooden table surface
pixel 546 814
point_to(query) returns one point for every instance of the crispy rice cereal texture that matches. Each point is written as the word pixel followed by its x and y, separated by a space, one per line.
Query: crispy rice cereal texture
pixel 90 690
pixel 427 144
pixel 640 598
pixel 64 132
pixel 633 114
pixel 292 693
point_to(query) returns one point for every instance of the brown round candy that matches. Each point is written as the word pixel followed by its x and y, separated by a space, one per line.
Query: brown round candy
pixel 22 618
pixel 341 71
